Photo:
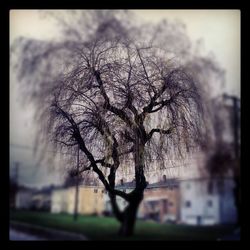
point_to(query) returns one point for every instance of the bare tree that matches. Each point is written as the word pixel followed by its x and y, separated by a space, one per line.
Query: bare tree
pixel 102 104
pixel 123 101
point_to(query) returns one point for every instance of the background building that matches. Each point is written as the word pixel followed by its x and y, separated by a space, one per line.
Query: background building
pixel 90 200
pixel 161 201
pixel 24 198
pixel 207 201
pixel 41 199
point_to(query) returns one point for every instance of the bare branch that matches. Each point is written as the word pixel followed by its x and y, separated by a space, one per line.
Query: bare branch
pixel 157 130
pixel 107 104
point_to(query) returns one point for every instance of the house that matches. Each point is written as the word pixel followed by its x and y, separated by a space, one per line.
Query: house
pixel 206 201
pixel 23 199
pixel 160 203
pixel 33 199
pixel 90 200
pixel 59 200
pixel 197 201
pixel 41 199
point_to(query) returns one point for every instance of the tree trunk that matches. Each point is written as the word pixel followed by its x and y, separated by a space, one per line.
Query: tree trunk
pixel 129 215
pixel 129 219
pixel 115 208
pixel 136 196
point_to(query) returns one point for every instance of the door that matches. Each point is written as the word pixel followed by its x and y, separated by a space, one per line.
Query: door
pixel 198 220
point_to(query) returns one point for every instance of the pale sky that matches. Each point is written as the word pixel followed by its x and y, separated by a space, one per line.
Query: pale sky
pixel 220 30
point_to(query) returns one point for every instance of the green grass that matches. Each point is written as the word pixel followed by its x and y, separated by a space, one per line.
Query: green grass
pixel 104 228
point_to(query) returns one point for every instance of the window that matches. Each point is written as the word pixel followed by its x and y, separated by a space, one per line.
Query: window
pixel 188 185
pixel 210 187
pixel 220 186
pixel 164 178
pixel 209 203
pixel 95 190
pixel 188 204
pixel 170 204
pixel 165 206
pixel 152 204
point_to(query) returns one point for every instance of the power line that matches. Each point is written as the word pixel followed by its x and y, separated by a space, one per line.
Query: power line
pixel 32 148
pixel 17 173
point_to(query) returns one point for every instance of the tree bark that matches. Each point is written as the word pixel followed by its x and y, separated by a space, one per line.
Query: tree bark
pixel 136 196
pixel 129 215
pixel 117 213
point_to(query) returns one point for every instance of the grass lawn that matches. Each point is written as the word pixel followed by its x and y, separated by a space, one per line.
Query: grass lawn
pixel 104 228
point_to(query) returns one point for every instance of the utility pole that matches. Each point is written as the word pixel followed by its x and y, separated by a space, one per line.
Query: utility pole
pixel 235 125
pixel 16 164
pixel 77 186
pixel 17 173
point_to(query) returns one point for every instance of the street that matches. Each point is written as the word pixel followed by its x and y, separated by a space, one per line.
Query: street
pixel 17 235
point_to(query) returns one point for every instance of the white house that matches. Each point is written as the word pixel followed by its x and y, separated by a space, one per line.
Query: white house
pixel 59 203
pixel 207 201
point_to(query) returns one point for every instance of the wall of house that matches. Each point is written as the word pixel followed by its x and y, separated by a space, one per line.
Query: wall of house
pixel 59 201
pixel 199 203
pixel 90 200
pixel 70 192
pixel 155 195
pixel 228 211
pixel 161 201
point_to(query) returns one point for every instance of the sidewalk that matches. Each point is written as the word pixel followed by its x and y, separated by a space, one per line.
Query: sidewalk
pixel 15 235
pixel 46 233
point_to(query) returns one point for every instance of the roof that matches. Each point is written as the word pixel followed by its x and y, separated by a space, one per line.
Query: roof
pixel 43 191
pixel 62 188
pixel 207 178
pixel 167 183
pixel 126 185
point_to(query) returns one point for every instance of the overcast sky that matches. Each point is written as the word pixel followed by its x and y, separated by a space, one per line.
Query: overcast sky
pixel 220 30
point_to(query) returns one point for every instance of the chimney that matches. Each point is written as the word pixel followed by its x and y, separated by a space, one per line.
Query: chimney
pixel 164 178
